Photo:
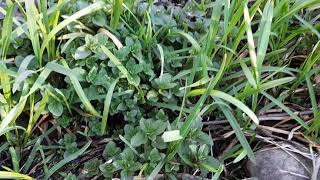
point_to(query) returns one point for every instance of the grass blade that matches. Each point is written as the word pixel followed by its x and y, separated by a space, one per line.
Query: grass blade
pixel 230 99
pixel 107 103
pixel 32 14
pixel 7 29
pixel 32 155
pixel 251 46
pixel 5 83
pixel 286 109
pixel 14 158
pixel 237 130
pixel 36 116
pixel 265 31
pixel 66 160
pixel 116 13
pixel 312 96
pixel 76 85
pixel 194 43
pixel 13 175
pixel 161 59
pixel 15 112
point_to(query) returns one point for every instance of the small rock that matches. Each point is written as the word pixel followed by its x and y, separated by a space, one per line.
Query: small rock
pixel 277 164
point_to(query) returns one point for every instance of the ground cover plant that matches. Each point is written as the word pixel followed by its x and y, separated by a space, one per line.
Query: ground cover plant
pixel 101 89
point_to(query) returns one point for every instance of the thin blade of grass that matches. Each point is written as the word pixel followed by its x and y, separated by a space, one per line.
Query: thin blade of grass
pixel 66 160
pixel 75 83
pixel 230 99
pixel 14 159
pixel 237 130
pixel 308 25
pixel 161 59
pixel 36 116
pixel 251 46
pixel 5 83
pixel 107 104
pixel 194 43
pixel 286 109
pixel 13 175
pixel 32 15
pixel 265 31
pixel 7 29
pixel 312 96
pixel 116 13
pixel 32 155
pixel 15 112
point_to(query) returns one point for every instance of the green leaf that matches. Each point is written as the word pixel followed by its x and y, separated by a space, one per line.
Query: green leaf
pixel 251 46
pixel 56 108
pixel 152 128
pixel 111 150
pixel 138 139
pixel 170 136
pixel 194 43
pixel 81 53
pixel 154 155
pixel 33 28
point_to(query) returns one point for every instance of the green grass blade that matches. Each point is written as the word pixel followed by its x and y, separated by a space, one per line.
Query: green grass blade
pixel 5 82
pixel 32 14
pixel 312 96
pixel 230 99
pixel 297 6
pixel 265 86
pixel 7 29
pixel 248 74
pixel 15 159
pixel 265 31
pixel 116 13
pixel 15 112
pixel 13 175
pixel 235 102
pixel 36 116
pixel 251 46
pixel 213 29
pixel 107 103
pixel 32 156
pixel 286 109
pixel 161 59
pixel 237 130
pixel 7 129
pixel 194 43
pixel 66 160
pixel 308 25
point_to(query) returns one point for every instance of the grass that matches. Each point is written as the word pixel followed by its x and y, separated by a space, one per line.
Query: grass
pixel 133 83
